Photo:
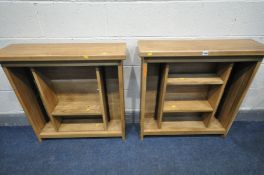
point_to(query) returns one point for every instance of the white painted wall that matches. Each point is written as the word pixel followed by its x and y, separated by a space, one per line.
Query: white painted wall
pixel 104 21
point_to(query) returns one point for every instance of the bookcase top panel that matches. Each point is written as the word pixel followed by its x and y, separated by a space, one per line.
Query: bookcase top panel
pixel 179 48
pixel 64 52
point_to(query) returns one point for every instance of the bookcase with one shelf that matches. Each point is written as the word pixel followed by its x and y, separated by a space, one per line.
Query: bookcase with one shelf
pixel 69 90
pixel 194 86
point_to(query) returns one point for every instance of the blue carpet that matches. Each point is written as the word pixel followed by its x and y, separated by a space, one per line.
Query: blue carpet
pixel 242 152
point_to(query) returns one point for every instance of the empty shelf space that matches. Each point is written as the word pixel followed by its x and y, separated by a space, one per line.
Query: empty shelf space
pixel 182 127
pixel 194 79
pixel 187 106
pixel 82 130
pixel 72 106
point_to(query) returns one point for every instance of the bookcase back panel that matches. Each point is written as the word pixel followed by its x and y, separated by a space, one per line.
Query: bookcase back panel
pixel 192 116
pixel 187 68
pixel 112 89
pixel 184 92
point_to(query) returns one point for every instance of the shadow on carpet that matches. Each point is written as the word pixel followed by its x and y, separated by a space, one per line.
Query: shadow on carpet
pixel 241 152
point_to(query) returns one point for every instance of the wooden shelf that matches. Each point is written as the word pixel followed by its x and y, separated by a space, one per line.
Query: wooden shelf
pixel 182 127
pixel 77 107
pixel 69 130
pixel 194 79
pixel 187 106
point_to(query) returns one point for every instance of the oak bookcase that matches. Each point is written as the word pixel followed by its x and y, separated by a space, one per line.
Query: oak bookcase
pixel 69 90
pixel 194 86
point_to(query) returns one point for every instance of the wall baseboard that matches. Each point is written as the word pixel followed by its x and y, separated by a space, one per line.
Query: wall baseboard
pixel 20 119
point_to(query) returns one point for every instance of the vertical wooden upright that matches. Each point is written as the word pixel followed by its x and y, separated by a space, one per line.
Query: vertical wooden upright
pixel 144 71
pixel 121 97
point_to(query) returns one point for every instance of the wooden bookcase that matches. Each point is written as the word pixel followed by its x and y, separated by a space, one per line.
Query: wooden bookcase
pixel 69 90
pixel 194 86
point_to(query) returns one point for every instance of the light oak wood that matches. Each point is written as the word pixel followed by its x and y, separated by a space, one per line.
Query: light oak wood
pixel 182 128
pixel 103 99
pixel 63 52
pixel 144 71
pixel 187 106
pixel 152 84
pixel 193 68
pixel 206 84
pixel 179 48
pixel 243 76
pixel 83 130
pixel 77 106
pixel 194 79
pixel 215 93
pixel 47 95
pixel 69 90
pixel 162 93
pixel 22 85
pixel 121 98
pixel 112 84
pixel 187 92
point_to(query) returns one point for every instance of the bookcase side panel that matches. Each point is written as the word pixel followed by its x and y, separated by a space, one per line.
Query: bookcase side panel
pixel 22 84
pixel 237 87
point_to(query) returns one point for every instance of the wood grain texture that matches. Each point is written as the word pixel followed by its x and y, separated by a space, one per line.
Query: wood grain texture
pixel 193 79
pixel 68 78
pixel 193 67
pixel 144 72
pixel 215 92
pixel 74 106
pixel 152 84
pixel 162 93
pixel 182 128
pixel 187 106
pixel 187 92
pixel 47 94
pixel 112 84
pixel 121 98
pixel 63 52
pixel 243 75
pixel 178 48
pixel 83 130
pixel 22 85
pixel 102 95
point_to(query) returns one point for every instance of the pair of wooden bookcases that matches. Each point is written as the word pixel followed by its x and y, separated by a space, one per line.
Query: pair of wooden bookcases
pixel 187 87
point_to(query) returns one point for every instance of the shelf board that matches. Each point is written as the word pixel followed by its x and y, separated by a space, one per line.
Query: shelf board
pixel 194 79
pixel 182 127
pixel 187 106
pixel 77 106
pixel 67 130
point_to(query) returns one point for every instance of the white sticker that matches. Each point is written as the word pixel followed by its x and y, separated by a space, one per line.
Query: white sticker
pixel 205 53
